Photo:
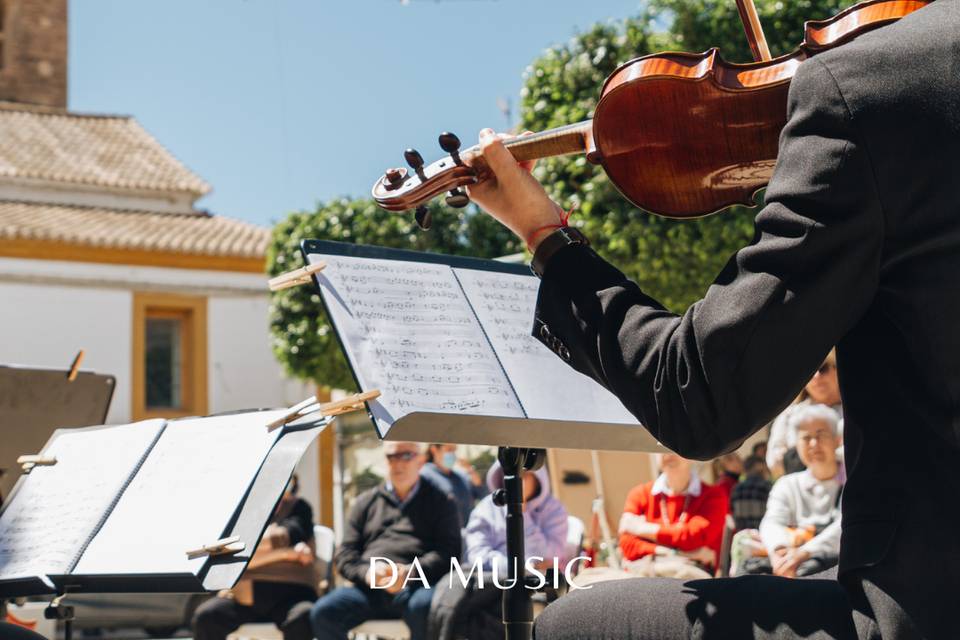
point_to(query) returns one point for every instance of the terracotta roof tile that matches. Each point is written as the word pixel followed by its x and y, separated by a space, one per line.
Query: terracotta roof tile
pixel 108 151
pixel 198 234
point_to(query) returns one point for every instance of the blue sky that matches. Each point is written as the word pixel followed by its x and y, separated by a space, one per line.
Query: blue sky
pixel 281 103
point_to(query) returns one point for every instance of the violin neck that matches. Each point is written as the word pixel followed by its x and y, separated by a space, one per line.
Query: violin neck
pixel 560 141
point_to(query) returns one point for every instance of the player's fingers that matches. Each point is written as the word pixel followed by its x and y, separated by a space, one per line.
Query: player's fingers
pixel 528 165
pixel 501 162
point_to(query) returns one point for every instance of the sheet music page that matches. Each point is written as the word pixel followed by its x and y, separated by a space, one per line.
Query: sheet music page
pixel 56 510
pixel 409 331
pixel 546 385
pixel 183 496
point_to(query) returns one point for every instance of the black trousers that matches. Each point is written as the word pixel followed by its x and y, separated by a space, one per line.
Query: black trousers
pixel 13 632
pixel 758 607
pixel 285 605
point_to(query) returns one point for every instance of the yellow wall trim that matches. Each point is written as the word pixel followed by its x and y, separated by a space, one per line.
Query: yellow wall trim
pixel 57 250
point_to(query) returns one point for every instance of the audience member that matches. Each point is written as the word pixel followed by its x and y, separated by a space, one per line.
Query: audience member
pixel 727 470
pixel 801 527
pixel 455 477
pixel 279 584
pixel 413 524
pixel 676 521
pixel 472 612
pixel 823 388
pixel 748 501
pixel 544 521
pixel 760 450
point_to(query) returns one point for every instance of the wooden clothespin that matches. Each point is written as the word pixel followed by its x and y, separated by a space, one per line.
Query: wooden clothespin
pixel 28 462
pixel 335 408
pixel 75 367
pixel 303 275
pixel 218 548
pixel 300 409
pixel 348 404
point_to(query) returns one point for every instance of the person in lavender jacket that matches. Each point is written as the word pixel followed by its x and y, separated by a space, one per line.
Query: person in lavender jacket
pixel 544 521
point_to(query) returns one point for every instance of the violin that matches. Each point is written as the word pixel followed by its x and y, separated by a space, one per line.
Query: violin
pixel 680 135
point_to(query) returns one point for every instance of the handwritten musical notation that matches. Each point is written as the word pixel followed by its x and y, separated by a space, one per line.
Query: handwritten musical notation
pixel 45 528
pixel 441 339
pixel 410 332
pixel 549 388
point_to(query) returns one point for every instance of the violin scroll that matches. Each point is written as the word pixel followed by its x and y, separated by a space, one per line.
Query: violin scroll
pixel 400 189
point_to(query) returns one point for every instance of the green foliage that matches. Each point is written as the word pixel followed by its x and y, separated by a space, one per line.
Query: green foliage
pixel 673 261
pixel 301 335
pixel 701 24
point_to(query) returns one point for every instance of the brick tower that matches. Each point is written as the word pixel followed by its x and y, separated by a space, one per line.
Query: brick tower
pixel 33 52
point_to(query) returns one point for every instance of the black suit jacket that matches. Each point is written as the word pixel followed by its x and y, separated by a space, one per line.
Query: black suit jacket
pixel 858 246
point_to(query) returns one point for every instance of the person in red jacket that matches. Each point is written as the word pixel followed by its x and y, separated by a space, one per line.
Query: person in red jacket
pixel 676 516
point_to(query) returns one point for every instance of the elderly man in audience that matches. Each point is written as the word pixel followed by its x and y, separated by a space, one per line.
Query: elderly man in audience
pixel 801 528
pixel 398 540
pixel 672 527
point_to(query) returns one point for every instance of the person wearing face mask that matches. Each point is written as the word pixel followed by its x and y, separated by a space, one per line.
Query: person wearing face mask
pixel 455 477
pixel 823 388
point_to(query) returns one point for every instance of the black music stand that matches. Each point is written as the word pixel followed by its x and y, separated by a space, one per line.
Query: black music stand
pixel 517 605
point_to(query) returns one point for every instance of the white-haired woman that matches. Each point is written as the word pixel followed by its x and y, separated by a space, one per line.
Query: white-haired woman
pixel 801 527
pixel 823 388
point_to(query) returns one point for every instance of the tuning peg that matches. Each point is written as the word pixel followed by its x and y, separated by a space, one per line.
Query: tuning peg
pixel 415 160
pixel 394 177
pixel 451 144
pixel 457 199
pixel 423 217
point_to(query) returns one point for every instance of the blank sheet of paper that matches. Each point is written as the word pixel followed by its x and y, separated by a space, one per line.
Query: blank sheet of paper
pixel 184 495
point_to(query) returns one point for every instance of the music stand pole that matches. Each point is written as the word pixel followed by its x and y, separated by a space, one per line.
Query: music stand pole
pixel 517 606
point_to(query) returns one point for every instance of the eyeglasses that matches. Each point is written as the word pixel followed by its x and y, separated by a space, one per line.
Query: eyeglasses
pixel 826 368
pixel 406 456
pixel 818 435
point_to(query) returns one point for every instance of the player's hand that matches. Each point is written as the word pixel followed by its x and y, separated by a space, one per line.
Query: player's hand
pixel 511 194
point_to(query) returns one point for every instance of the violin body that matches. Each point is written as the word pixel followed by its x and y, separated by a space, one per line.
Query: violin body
pixel 680 135
pixel 684 135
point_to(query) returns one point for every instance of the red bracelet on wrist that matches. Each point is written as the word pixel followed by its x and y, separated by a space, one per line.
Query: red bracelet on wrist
pixel 564 219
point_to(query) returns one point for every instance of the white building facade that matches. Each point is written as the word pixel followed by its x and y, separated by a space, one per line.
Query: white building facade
pixel 101 249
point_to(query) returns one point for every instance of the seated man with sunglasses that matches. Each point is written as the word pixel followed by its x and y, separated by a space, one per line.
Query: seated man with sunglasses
pixel 398 540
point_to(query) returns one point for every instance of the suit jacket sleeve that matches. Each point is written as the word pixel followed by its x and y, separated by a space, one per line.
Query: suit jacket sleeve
pixel 703 381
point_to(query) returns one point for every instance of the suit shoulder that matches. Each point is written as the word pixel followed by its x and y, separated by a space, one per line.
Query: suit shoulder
pixel 896 61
